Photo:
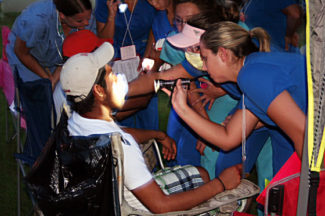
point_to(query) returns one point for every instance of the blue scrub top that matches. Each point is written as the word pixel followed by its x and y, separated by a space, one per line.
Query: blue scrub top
pixel 161 26
pixel 140 25
pixel 268 15
pixel 37 25
pixel 265 75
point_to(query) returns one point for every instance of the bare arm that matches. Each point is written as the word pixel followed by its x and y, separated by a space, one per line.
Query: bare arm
pixel 293 14
pixel 157 202
pixel 23 54
pixel 168 144
pixel 107 30
pixel 224 137
pixel 290 118
pixel 144 83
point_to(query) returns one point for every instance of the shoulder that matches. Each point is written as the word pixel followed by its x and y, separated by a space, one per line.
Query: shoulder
pixel 37 14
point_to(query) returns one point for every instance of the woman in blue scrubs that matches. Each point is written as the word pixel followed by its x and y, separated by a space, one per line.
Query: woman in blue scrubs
pixel 35 51
pixel 138 18
pixel 273 86
pixel 36 38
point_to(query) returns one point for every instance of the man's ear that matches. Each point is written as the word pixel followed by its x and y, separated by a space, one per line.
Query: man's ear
pixel 99 92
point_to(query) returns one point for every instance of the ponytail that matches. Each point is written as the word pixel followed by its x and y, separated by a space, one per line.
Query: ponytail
pixel 263 38
pixel 235 38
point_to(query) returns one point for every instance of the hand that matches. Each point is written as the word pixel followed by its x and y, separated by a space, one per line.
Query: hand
pixel 168 147
pixel 55 77
pixel 200 146
pixel 291 40
pixel 179 97
pixel 112 8
pixel 231 176
pixel 209 93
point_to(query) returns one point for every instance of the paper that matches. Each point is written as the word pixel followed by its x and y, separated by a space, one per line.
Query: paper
pixel 127 67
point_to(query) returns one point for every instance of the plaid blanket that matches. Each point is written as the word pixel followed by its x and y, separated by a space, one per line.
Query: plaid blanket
pixel 178 179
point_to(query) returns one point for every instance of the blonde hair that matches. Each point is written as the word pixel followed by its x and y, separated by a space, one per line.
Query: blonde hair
pixel 235 38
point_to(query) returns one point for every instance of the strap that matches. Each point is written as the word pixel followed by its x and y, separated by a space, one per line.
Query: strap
pixel 128 23
pixel 243 136
pixel 312 199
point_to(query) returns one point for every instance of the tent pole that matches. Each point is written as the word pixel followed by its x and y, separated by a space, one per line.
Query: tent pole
pixel 304 183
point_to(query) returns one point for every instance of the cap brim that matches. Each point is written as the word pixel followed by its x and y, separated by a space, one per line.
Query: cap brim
pixel 182 41
pixel 104 54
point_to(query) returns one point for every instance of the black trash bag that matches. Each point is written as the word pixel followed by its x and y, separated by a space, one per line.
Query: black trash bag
pixel 75 175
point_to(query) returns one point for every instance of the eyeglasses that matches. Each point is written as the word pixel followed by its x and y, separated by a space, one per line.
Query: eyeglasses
pixel 179 21
pixel 195 48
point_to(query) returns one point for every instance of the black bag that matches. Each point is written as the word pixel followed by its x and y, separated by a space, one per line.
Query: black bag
pixel 75 175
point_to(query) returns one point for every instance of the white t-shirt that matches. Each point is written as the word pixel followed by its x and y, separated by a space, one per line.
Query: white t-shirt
pixel 136 172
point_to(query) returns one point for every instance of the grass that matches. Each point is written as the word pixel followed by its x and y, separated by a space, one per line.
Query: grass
pixel 8 166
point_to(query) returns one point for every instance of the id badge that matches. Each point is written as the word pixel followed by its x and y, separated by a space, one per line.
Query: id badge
pixel 128 52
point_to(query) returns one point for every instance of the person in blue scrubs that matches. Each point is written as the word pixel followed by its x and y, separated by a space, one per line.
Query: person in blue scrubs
pixel 273 86
pixel 184 136
pixel 280 18
pixel 35 51
pixel 113 24
pixel 37 35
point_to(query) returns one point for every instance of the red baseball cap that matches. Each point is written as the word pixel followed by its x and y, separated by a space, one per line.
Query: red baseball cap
pixel 82 41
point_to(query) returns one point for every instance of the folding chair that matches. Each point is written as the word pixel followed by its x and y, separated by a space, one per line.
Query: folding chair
pixel 222 204
pixel 33 101
pixel 7 81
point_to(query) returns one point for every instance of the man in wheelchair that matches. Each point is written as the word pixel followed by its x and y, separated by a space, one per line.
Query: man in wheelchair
pixel 94 92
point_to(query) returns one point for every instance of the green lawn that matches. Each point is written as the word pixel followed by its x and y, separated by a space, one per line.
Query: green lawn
pixel 8 166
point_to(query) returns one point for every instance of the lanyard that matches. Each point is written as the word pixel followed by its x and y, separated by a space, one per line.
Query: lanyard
pixel 128 25
pixel 243 138
pixel 246 6
pixel 243 141
pixel 60 33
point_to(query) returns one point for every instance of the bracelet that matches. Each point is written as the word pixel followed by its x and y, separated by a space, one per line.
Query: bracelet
pixel 223 185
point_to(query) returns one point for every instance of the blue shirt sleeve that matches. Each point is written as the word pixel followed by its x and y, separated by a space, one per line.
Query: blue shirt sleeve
pixel 31 29
pixel 101 11
pixel 192 70
pixel 261 86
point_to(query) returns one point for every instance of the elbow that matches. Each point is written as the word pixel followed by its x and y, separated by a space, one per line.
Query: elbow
pixel 228 145
pixel 159 208
pixel 227 148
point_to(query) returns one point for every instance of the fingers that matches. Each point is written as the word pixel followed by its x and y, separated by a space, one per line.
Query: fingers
pixel 168 92
pixel 239 168
pixel 200 146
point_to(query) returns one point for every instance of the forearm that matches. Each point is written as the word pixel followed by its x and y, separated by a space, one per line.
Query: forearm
pixel 144 84
pixel 106 30
pixel 293 14
pixel 213 133
pixel 185 200
pixel 23 54
pixel 141 135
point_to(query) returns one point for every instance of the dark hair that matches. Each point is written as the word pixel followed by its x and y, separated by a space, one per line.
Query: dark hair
pixel 72 7
pixel 206 19
pixel 230 9
pixel 235 38
pixel 203 5
pixel 86 104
